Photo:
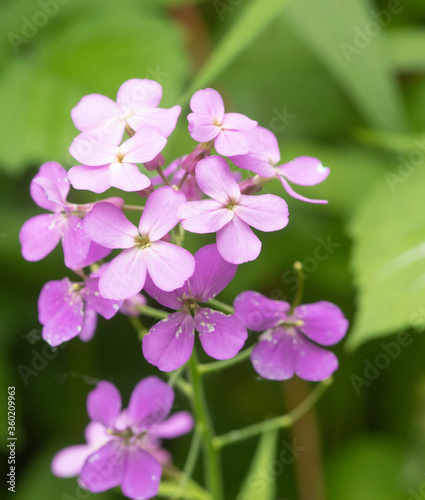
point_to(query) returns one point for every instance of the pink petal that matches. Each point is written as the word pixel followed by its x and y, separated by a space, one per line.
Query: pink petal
pixel 314 363
pixel 52 296
pixel 89 325
pixel 127 177
pixel 324 322
pixel 206 216
pixel 208 102
pixel 168 265
pixel 96 252
pixel 231 142
pixel 57 175
pixel 69 461
pixel 75 242
pixel 258 312
pixel 40 235
pixel 221 336
pixel 92 110
pixel 177 425
pixel 169 343
pixel 92 152
pixel 266 212
pixel 140 92
pixel 305 171
pixel 255 162
pixel 142 475
pixel 236 121
pixel 104 403
pixel 202 128
pixel 237 243
pixel 105 307
pixel 145 144
pixel 94 179
pixel 104 469
pixel 295 195
pixel 212 273
pixel 171 299
pixel 109 227
pixel 215 179
pixel 150 402
pixel 165 120
pixel 124 276
pixel 160 213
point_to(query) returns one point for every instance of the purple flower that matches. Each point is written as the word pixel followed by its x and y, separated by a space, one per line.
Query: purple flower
pixel 123 446
pixel 263 158
pixel 169 343
pixel 208 121
pixel 107 165
pixel 67 309
pixel 231 213
pixel 284 349
pixel 136 106
pixel 41 234
pixel 145 251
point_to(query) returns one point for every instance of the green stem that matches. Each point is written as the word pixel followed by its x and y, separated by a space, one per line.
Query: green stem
pixel 133 207
pixel 300 288
pixel 152 312
pixel 220 365
pixel 273 423
pixel 221 306
pixel 211 454
pixel 139 327
pixel 162 175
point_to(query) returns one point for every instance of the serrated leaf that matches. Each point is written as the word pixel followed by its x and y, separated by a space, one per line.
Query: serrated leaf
pixel 260 468
pixel 388 258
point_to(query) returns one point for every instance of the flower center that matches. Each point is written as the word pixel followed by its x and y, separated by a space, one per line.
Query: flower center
pixel 190 306
pixel 142 242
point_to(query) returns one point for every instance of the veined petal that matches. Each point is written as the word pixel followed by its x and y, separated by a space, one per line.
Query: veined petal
pixel 127 177
pixel 124 276
pixel 109 227
pixel 178 424
pixel 221 336
pixel 167 299
pixel 89 325
pixel 142 475
pixel 208 102
pixel 168 265
pixel 145 144
pixel 92 110
pixel 215 179
pixel 96 252
pixel 258 312
pixel 40 235
pixel 165 120
pixel 57 175
pixel 255 162
pixel 212 273
pixel 237 121
pixel 304 170
pixel 295 195
pixel 105 307
pixel 169 343
pixel 104 403
pixel 202 128
pixel 231 142
pixel 75 242
pixel 92 152
pixel 160 213
pixel 205 216
pixel 266 212
pixel 140 92
pixel 94 179
pixel 237 243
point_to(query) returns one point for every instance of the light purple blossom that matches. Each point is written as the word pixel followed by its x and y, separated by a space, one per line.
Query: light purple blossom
pixel 230 213
pixel 169 343
pixel 67 309
pixel 108 165
pixel 124 446
pixel 263 158
pixel 285 347
pixel 136 107
pixel 208 122
pixel 145 251
pixel 41 234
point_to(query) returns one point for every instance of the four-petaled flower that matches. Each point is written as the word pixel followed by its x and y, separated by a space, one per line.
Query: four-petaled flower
pixel 124 446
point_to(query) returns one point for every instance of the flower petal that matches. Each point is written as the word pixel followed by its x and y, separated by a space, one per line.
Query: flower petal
pixel 140 92
pixel 266 212
pixel 109 227
pixel 165 120
pixel 96 252
pixel 295 195
pixel 178 424
pixel 160 213
pixel 171 299
pixel 142 475
pixel 105 307
pixel 40 235
pixel 304 170
pixel 231 142
pixel 94 179
pixel 202 128
pixel 54 172
pixel 221 336
pixel 127 177
pixel 313 362
pixel 324 322
pixel 258 312
pixel 212 273
pixel 206 216
pixel 104 403
pixel 92 152
pixel 237 121
pixel 168 265
pixel 75 242
pixel 208 102
pixel 124 276
pixel 145 144
pixel 69 461
pixel 92 110
pixel 89 325
pixel 169 343
pixel 215 179
pixel 237 243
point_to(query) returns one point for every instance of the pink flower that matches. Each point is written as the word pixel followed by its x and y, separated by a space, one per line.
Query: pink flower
pixel 208 121
pixel 231 213
pixel 286 349
pixel 145 252
pixel 107 165
pixel 263 158
pixel 67 309
pixel 124 446
pixel 169 343
pixel 136 106
pixel 41 234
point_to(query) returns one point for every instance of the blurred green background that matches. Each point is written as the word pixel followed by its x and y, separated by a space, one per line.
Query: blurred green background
pixel 343 80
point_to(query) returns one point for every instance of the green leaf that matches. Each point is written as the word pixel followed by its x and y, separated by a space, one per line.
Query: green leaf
pixel 335 32
pixel 252 21
pixel 251 489
pixel 388 258
pixel 171 489
pixel 407 47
